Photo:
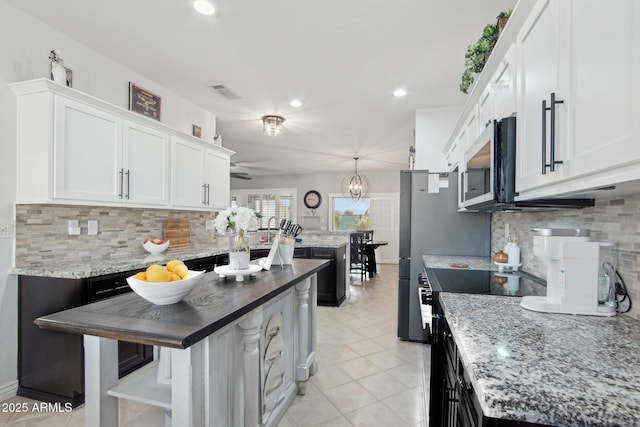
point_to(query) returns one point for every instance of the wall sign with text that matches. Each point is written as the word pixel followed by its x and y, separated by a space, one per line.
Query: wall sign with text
pixel 144 102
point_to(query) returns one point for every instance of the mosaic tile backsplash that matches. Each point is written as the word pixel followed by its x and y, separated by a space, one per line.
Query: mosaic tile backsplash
pixel 41 231
pixel 614 220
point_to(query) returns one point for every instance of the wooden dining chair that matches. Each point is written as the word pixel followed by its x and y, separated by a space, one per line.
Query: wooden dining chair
pixel 358 262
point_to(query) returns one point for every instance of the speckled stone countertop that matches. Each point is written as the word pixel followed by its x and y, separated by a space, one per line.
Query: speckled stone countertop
pixel 117 263
pixel 475 262
pixel 555 369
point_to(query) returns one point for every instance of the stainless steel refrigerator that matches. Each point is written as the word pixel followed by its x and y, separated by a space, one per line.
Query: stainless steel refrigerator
pixel 431 225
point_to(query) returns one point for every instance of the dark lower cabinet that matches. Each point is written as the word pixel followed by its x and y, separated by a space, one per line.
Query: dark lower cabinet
pixel 331 280
pixel 50 363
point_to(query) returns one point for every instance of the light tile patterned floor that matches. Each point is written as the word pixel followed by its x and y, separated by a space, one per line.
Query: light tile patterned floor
pixel 366 376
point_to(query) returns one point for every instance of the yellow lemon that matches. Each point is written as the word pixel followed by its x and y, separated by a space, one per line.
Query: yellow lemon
pixel 141 276
pixel 173 277
pixel 182 271
pixel 171 265
pixel 157 273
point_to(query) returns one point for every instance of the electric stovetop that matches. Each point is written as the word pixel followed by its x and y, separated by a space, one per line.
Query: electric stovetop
pixel 485 282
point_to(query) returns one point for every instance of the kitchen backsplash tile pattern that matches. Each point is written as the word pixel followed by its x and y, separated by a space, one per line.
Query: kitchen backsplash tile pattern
pixel 42 231
pixel 614 220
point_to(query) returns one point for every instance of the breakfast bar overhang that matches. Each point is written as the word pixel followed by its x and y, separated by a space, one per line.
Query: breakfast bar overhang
pixel 231 353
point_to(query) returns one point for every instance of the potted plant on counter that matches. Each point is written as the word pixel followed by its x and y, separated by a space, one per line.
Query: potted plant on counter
pixel 237 221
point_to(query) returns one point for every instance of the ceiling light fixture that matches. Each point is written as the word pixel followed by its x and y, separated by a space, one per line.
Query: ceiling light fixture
pixel 272 124
pixel 355 186
pixel 204 7
pixel 399 93
pixel 296 103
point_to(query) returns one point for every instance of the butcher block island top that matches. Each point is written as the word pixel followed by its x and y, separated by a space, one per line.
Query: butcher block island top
pixel 213 304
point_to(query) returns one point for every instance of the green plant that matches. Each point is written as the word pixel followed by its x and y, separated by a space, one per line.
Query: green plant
pixel 477 53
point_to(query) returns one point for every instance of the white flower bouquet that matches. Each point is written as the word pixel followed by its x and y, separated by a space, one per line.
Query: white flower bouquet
pixel 236 220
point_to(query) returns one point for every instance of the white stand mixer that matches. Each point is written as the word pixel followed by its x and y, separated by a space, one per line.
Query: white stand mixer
pixel 574 275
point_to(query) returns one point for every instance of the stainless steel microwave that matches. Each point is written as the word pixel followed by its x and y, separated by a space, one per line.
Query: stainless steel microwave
pixel 489 177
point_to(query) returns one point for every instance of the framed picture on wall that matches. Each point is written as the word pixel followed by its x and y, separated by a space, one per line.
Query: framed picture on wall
pixel 144 102
pixel 197 131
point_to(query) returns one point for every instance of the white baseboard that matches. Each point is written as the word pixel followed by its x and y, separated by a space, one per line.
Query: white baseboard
pixel 8 390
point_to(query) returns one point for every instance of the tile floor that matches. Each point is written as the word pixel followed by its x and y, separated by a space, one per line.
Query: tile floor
pixel 366 376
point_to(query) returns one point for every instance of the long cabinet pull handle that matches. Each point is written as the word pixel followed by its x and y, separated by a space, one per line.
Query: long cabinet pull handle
pixel 544 136
pixel 121 173
pixel 204 194
pixel 552 148
pixel 128 173
pixel 208 194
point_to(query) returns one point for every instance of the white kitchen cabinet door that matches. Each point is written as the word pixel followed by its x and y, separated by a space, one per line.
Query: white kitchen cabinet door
pixel 187 174
pixel 88 152
pixel 539 48
pixel 604 109
pixel 216 180
pixel 146 164
pixel 486 108
pixel 504 84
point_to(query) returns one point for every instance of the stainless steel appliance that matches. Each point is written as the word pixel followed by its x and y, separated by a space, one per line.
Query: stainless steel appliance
pixel 488 177
pixel 430 224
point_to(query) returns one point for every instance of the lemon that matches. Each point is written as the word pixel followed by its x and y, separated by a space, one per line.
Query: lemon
pixel 141 276
pixel 157 273
pixel 173 277
pixel 182 271
pixel 171 265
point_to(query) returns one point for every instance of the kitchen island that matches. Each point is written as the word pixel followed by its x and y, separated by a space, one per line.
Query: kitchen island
pixel 239 351
pixel 510 366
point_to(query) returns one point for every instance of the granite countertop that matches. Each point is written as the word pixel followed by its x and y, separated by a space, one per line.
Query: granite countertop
pixel 554 369
pixel 445 261
pixel 85 267
pixel 213 304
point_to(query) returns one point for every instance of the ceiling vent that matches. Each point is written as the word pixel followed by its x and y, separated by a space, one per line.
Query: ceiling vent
pixel 224 91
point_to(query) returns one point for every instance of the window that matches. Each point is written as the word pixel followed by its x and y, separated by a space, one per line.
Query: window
pixel 350 215
pixel 269 203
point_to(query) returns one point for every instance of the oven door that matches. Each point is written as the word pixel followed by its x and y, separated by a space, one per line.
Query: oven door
pixel 477 179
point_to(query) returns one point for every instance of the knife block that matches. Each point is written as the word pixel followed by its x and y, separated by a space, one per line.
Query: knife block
pixel 281 252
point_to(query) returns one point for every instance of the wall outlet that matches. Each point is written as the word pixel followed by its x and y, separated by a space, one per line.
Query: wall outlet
pixel 93 227
pixel 74 227
pixel 6 230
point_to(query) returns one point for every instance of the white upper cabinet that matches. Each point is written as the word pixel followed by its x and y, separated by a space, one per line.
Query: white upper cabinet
pixel 146 163
pixel 88 152
pixel 504 86
pixel 595 78
pixel 73 148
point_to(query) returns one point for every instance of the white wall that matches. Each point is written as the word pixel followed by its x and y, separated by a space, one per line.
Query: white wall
pixel 24 48
pixel 379 182
pixel 433 129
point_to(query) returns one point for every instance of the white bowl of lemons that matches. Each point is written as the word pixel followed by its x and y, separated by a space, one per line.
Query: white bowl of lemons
pixel 162 285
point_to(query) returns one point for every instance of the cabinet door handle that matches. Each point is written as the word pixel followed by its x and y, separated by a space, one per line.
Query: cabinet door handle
pixel 208 194
pixel 128 173
pixel 121 173
pixel 204 194
pixel 552 134
pixel 552 148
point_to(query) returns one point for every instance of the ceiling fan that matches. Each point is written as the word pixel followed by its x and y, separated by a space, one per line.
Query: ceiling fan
pixel 238 175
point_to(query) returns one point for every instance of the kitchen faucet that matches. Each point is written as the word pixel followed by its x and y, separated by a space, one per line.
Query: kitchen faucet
pixel 269 227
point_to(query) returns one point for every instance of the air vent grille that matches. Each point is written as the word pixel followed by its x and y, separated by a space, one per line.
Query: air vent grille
pixel 224 91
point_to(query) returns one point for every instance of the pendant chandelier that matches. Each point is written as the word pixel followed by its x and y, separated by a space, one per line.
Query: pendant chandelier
pixel 355 186
pixel 271 124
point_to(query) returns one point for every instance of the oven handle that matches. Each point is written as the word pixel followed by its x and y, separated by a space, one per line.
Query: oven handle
pixel 435 318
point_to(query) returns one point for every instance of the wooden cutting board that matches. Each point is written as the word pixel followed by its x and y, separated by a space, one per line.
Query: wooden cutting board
pixel 178 232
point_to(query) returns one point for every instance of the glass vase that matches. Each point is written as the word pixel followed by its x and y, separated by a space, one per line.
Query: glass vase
pixel 239 252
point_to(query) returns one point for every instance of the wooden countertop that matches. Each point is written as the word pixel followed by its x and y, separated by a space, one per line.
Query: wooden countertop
pixel 212 305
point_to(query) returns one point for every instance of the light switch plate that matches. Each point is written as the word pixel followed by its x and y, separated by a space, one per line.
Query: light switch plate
pixel 74 227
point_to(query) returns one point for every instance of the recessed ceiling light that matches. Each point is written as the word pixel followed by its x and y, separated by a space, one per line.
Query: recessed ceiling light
pixel 399 92
pixel 296 103
pixel 204 7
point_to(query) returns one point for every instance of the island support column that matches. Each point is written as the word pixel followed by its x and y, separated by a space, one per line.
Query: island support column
pixel 306 366
pixel 100 375
pixel 250 327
